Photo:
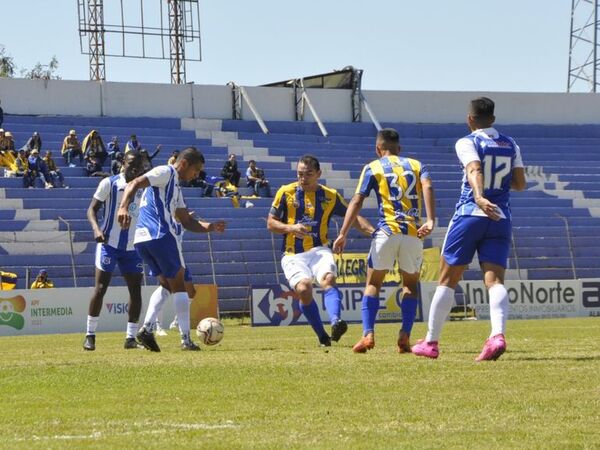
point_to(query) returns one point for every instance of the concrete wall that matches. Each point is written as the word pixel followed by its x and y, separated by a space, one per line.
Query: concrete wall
pixel 85 98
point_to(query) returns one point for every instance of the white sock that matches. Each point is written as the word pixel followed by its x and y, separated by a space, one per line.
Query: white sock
pixel 157 299
pixel 498 308
pixel 132 328
pixel 442 302
pixel 182 309
pixel 92 324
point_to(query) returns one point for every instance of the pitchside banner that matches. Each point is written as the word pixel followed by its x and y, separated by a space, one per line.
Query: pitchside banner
pixel 278 305
pixel 528 299
pixel 64 310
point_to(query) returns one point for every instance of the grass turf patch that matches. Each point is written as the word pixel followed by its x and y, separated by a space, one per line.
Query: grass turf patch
pixel 274 388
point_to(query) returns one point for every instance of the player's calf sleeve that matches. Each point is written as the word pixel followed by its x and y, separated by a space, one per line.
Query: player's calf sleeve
pixel 370 307
pixel 333 304
pixel 132 328
pixel 498 308
pixel 157 300
pixel 442 302
pixel 409 312
pixel 182 309
pixel 311 312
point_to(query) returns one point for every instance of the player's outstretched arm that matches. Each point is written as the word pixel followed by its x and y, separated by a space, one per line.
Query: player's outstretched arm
pixel 92 212
pixel 123 216
pixel 475 178
pixel 351 215
pixel 363 226
pixel 429 200
pixel 187 221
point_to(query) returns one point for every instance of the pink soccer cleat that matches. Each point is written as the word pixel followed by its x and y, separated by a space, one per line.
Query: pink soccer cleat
pixel 427 349
pixel 492 349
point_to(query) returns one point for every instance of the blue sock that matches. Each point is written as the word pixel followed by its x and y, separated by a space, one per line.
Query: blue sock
pixel 370 307
pixel 311 312
pixel 333 304
pixel 409 312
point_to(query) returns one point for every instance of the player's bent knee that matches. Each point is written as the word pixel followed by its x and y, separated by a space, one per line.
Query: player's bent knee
pixel 304 289
pixel 328 280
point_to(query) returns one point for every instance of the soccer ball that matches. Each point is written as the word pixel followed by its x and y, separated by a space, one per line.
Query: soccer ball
pixel 210 330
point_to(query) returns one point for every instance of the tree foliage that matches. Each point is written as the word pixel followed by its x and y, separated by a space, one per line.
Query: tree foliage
pixel 8 68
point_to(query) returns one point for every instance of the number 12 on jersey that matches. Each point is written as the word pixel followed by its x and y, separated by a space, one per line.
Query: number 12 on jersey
pixel 495 170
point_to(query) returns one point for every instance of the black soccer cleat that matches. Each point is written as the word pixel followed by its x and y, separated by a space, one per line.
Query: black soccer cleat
pixel 338 329
pixel 90 343
pixel 325 341
pixel 190 346
pixel 146 338
pixel 131 343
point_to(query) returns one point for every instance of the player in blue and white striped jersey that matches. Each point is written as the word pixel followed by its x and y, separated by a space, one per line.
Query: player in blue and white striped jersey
pixel 155 238
pixel 492 167
pixel 115 246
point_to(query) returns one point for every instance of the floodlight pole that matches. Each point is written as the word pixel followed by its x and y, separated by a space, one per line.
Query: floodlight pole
pixel 584 60
pixel 176 36
pixel 96 40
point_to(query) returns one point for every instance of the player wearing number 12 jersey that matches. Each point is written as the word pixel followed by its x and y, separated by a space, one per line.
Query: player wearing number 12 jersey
pixel 400 184
pixel 482 223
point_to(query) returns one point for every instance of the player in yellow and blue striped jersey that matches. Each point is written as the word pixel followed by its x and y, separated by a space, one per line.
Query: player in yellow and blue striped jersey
pixel 400 185
pixel 301 211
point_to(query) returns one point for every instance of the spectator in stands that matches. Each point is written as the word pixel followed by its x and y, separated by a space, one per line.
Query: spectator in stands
pixel 93 144
pixel 37 168
pixel 117 164
pixel 7 160
pixel 71 148
pixel 147 159
pixel 113 148
pixel 230 171
pixel 21 167
pixel 8 143
pixel 42 281
pixel 54 171
pixel 35 141
pixel 93 167
pixel 133 144
pixel 255 178
pixel 173 157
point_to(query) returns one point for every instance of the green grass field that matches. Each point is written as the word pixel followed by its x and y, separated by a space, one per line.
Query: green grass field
pixel 274 388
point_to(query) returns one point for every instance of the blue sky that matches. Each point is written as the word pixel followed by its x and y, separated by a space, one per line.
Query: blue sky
pixel 457 45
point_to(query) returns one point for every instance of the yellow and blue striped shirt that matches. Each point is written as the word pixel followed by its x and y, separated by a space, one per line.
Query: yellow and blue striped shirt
pixel 293 205
pixel 397 185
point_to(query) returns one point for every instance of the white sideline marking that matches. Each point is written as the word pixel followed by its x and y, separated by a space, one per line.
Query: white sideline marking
pixel 167 427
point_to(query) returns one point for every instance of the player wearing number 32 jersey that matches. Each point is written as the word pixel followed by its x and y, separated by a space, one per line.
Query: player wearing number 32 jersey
pixel 482 223
pixel 400 185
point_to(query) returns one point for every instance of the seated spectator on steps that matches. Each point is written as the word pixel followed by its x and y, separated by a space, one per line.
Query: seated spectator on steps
pixel 21 168
pixel 230 171
pixel 173 157
pixel 113 148
pixel 37 168
pixel 147 159
pixel 255 178
pixel 35 141
pixel 117 164
pixel 8 143
pixel 53 171
pixel 133 144
pixel 93 144
pixel 7 160
pixel 42 281
pixel 71 149
pixel 93 167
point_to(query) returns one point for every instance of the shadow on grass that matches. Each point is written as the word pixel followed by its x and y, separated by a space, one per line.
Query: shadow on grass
pixel 556 358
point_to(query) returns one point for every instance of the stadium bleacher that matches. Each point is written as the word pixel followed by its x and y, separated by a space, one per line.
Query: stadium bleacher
pixel 554 220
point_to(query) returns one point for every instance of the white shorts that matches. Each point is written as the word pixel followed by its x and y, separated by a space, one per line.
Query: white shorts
pixel 313 265
pixel 407 250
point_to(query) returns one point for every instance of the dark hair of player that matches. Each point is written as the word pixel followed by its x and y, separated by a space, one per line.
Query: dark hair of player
pixel 388 139
pixel 311 162
pixel 192 155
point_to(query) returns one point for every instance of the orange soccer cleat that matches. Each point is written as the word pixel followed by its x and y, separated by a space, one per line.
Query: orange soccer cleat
pixel 366 343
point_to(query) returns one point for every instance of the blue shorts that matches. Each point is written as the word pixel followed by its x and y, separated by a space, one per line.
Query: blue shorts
pixel 108 257
pixel 469 234
pixel 163 256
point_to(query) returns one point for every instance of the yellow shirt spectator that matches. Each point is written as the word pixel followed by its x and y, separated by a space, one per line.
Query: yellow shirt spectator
pixel 42 281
